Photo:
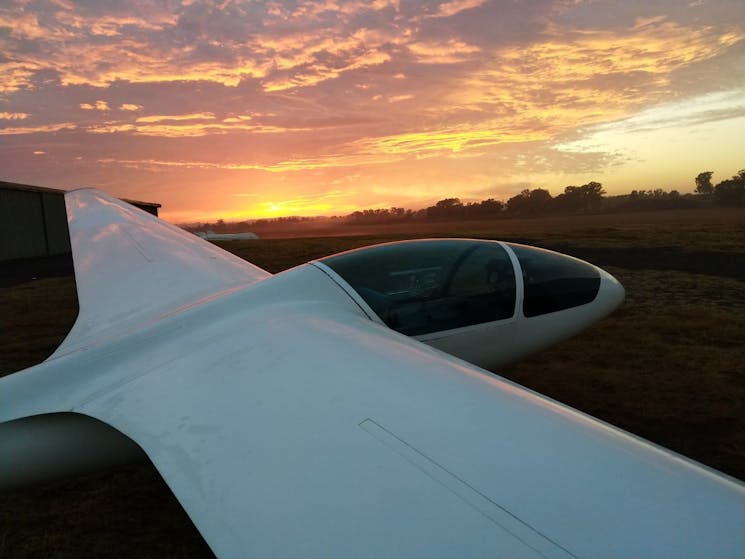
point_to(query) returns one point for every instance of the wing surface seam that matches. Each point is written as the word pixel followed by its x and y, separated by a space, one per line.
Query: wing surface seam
pixel 497 514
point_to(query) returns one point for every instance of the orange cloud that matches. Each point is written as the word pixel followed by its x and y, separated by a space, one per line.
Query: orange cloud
pixel 37 129
pixel 453 7
pixel 15 75
pixel 23 25
pixel 297 57
pixel 586 76
pixel 111 25
pixel 162 118
pixel 169 127
pixel 320 73
pixel 297 164
pixel 449 52
pixel 237 119
pixel 129 57
pixel 97 106
pixel 13 116
pixel 428 144
pixel 312 10
pixel 78 66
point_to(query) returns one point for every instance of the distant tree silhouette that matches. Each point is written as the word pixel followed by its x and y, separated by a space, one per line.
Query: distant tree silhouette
pixel 592 193
pixel 530 202
pixel 587 197
pixel 382 215
pixel 656 199
pixel 703 183
pixel 489 207
pixel 731 192
pixel 446 209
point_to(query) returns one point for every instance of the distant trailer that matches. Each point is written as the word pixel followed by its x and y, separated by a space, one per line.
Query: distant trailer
pixel 33 221
pixel 212 236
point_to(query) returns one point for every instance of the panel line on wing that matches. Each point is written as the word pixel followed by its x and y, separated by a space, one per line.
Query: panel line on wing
pixel 138 247
pixel 467 493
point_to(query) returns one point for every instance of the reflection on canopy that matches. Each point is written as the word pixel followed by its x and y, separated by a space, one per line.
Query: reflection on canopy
pixel 553 281
pixel 418 287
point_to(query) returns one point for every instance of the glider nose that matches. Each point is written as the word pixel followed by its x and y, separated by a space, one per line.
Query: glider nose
pixel 611 293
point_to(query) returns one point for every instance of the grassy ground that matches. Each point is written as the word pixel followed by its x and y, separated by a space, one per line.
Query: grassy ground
pixel 669 366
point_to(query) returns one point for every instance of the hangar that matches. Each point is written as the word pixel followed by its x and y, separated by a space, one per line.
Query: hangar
pixel 33 221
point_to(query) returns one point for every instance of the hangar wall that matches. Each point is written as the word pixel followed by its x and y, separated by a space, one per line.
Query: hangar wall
pixel 33 221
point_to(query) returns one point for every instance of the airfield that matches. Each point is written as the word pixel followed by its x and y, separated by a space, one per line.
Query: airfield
pixel 668 366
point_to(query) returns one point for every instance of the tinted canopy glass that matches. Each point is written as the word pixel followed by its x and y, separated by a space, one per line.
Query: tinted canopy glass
pixel 417 287
pixel 553 281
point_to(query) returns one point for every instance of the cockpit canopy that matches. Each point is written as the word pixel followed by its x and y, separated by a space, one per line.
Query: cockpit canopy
pixel 554 282
pixel 420 287
pixel 417 287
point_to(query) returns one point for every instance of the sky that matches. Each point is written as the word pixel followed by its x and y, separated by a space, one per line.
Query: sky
pixel 253 109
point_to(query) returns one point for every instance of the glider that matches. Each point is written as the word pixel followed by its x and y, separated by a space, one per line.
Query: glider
pixel 338 409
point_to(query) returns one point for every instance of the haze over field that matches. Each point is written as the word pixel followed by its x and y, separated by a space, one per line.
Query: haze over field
pixel 239 109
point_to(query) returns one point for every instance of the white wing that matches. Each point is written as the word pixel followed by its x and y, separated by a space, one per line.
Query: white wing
pixel 289 424
pixel 131 267
pixel 318 435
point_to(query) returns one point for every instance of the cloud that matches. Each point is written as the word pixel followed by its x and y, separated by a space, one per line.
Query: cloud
pixel 41 128
pixel 437 142
pixel 449 52
pixel 186 126
pixel 18 74
pixel 282 166
pixel 13 116
pixel 163 118
pixel 22 25
pixel 97 106
pixel 604 74
pixel 453 7
pixel 712 107
pixel 222 44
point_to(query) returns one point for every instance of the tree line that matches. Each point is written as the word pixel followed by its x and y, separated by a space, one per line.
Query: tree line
pixel 588 198
pixel 729 192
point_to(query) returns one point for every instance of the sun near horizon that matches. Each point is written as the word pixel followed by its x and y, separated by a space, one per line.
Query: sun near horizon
pixel 238 110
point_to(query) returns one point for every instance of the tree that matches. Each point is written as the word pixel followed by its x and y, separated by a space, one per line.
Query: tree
pixel 448 208
pixel 449 203
pixel 731 192
pixel 491 207
pixel 703 183
pixel 530 202
pixel 580 198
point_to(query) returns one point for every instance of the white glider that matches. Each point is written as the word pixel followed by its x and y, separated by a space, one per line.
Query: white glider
pixel 330 411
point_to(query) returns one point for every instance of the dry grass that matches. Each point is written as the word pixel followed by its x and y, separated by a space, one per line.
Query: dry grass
pixel 39 315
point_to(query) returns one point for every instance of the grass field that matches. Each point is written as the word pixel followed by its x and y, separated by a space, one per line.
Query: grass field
pixel 668 366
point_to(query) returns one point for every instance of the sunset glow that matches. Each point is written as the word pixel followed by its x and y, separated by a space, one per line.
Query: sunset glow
pixel 235 109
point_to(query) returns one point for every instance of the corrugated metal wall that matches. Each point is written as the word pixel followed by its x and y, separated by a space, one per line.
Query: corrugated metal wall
pixel 32 224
